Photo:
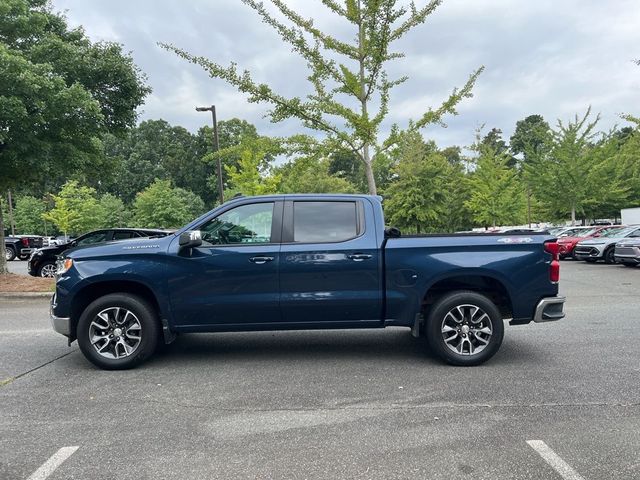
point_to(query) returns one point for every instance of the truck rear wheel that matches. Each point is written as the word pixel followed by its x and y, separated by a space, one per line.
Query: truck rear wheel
pixel 464 328
pixel 10 253
pixel 118 331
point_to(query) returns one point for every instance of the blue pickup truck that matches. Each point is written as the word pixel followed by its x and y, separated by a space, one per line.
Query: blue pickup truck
pixel 303 262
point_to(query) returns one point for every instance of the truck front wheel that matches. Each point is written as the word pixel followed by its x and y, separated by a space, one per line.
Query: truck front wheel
pixel 464 328
pixel 118 331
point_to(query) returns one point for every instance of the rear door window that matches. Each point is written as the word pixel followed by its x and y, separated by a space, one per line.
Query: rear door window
pixel 123 235
pixel 325 222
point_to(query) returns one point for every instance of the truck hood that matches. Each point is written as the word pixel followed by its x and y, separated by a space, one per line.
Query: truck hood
pixel 121 247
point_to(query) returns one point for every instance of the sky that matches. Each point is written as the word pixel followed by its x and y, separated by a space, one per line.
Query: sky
pixel 549 57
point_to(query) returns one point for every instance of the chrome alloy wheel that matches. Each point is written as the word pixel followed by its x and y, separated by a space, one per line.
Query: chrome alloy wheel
pixel 466 329
pixel 115 332
pixel 49 270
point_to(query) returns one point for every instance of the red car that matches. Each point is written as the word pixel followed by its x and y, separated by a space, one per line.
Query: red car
pixel 568 239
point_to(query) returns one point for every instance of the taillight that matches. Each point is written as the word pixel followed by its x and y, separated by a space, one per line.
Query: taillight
pixel 554 269
pixel 25 241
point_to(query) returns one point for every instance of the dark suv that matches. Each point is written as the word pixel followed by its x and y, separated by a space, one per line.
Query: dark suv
pixel 43 261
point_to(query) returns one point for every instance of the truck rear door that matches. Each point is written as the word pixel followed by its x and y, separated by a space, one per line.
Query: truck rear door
pixel 330 266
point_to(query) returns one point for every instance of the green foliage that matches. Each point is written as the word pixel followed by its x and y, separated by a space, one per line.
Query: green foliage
pixel 76 209
pixel 494 141
pixel 348 79
pixel 113 213
pixel 58 94
pixel 28 214
pixel 532 138
pixel 252 174
pixel 425 184
pixel 496 196
pixel 161 205
pixel 311 175
pixel 577 176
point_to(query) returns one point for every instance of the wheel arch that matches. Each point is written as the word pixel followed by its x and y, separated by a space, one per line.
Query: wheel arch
pixel 93 291
pixel 487 285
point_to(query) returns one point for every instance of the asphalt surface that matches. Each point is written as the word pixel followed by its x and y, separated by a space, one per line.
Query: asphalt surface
pixel 18 266
pixel 334 404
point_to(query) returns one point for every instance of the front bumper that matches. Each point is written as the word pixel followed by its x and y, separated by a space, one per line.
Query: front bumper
pixel 549 309
pixel 628 254
pixel 61 325
pixel 588 251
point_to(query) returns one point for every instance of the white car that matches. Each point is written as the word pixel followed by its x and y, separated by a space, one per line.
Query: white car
pixel 628 251
pixel 603 247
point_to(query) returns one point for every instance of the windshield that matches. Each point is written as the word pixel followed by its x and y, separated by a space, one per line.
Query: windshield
pixel 618 232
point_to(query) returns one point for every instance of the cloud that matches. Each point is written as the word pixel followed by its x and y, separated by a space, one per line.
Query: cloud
pixel 546 57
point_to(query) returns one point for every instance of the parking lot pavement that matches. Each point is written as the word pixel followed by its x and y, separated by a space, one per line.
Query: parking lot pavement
pixel 559 401
pixel 18 266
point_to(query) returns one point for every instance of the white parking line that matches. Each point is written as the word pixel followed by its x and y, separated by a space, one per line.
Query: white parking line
pixel 552 458
pixel 54 462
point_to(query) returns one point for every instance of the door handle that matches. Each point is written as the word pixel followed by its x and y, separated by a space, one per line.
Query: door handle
pixel 260 260
pixel 358 257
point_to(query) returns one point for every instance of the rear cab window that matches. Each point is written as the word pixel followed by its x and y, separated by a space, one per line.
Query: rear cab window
pixel 327 222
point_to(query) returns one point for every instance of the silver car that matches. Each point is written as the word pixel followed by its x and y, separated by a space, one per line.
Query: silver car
pixel 628 251
pixel 603 247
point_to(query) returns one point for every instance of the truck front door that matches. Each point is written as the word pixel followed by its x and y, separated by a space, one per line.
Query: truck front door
pixel 329 263
pixel 232 278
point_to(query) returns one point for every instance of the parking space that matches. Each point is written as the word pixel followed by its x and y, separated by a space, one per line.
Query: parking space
pixel 560 400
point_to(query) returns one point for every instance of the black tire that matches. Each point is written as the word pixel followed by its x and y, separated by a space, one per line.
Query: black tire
pixel 629 264
pixel 609 256
pixel 11 253
pixel 149 331
pixel 45 268
pixel 438 314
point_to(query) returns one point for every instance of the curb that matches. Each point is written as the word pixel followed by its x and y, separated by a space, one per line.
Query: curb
pixel 19 295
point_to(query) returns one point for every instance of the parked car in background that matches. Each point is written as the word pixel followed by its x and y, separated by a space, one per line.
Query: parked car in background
pixel 557 231
pixel 49 241
pixel 12 246
pixel 603 247
pixel 627 251
pixel 29 244
pixel 569 239
pixel 43 262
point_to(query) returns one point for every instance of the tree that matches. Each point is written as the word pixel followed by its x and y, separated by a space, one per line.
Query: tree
pixel 58 94
pixel 113 213
pixel 346 89
pixel 531 138
pixel 161 205
pixel 28 213
pixel 252 174
pixel 496 196
pixel 312 175
pixel 231 133
pixel 417 198
pixel 76 209
pixel 572 178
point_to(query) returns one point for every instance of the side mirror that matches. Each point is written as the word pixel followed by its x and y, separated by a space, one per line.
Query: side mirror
pixel 190 239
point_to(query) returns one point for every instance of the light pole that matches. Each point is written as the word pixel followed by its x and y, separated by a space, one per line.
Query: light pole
pixel 216 147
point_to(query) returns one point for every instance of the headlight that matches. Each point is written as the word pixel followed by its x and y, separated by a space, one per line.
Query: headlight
pixel 63 265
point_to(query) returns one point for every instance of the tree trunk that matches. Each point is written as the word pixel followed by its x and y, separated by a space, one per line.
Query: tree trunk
pixel 371 180
pixel 368 168
pixel 3 253
pixel 11 219
pixel 573 215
